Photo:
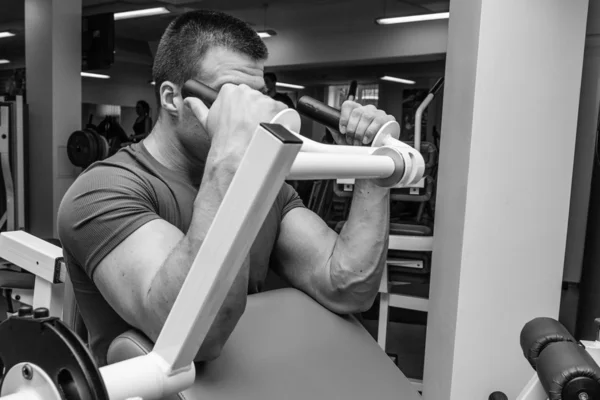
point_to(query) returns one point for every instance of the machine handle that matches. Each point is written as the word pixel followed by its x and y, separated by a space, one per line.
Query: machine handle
pixel 319 112
pixel 307 106
pixel 352 91
pixel 194 88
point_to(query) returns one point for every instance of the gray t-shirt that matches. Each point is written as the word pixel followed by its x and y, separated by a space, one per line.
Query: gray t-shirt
pixel 111 200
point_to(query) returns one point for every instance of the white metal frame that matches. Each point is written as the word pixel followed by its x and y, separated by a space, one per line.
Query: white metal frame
pixel 169 368
pixel 42 259
pixel 387 299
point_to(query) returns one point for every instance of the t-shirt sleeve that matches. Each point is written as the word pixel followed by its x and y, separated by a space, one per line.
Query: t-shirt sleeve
pixel 104 206
pixel 289 199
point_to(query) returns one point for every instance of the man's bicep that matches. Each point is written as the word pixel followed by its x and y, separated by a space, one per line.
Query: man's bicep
pixel 124 276
pixel 303 250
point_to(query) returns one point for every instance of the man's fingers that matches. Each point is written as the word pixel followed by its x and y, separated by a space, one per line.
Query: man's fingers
pixel 198 108
pixel 345 112
pixel 362 127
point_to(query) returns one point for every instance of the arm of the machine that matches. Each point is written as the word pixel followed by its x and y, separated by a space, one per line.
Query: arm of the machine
pixel 42 259
pixel 271 155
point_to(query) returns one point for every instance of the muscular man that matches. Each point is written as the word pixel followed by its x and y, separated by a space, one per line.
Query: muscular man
pixel 132 224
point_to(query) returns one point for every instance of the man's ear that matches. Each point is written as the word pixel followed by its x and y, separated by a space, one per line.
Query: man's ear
pixel 170 98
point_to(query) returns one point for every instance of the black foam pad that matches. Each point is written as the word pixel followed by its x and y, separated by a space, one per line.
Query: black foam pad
pixel 538 333
pixel 566 367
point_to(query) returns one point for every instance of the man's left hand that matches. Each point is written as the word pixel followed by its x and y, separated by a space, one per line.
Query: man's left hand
pixel 359 124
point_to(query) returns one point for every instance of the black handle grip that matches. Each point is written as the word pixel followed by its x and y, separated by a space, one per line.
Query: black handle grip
pixel 353 89
pixel 193 88
pixel 319 112
pixel 309 107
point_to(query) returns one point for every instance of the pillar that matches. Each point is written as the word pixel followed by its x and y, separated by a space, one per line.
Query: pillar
pixel 53 65
pixel 584 226
pixel 513 75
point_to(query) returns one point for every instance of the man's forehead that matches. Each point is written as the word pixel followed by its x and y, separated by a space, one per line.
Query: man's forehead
pixel 220 66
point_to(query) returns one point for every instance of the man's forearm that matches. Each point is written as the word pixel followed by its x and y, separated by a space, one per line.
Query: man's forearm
pixel 358 258
pixel 170 277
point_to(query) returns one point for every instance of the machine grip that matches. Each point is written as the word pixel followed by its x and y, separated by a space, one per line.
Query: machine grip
pixel 566 370
pixel 538 333
pixel 353 89
pixel 194 88
pixel 319 112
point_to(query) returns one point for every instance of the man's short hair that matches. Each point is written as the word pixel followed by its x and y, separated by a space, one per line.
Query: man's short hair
pixel 189 36
pixel 271 76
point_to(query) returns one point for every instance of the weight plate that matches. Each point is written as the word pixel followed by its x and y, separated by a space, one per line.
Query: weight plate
pixel 82 148
pixel 102 147
pixel 50 345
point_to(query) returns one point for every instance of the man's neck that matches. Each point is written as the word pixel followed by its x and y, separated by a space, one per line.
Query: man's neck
pixel 163 145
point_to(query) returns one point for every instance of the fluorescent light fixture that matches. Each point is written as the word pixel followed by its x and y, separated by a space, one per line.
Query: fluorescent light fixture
pixel 90 75
pixel 397 80
pixel 4 61
pixel 412 18
pixel 6 34
pixel 147 12
pixel 266 34
pixel 289 86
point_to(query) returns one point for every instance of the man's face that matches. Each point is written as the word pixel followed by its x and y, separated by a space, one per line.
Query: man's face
pixel 220 66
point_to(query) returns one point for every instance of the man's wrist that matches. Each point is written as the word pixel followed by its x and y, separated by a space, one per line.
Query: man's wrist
pixel 370 188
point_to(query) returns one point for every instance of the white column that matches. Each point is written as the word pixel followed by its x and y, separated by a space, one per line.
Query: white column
pixel 53 62
pixel 513 75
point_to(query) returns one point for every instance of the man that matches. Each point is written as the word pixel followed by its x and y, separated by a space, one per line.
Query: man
pixel 271 85
pixel 131 225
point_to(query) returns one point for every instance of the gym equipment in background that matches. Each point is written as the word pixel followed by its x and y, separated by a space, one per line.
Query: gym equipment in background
pixel 12 162
pixel 95 143
pixel 565 368
pixel 44 360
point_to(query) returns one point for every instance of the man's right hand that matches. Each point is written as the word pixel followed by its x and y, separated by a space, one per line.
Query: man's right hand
pixel 233 118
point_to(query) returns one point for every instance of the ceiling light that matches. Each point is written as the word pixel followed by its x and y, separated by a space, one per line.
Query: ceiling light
pixel 397 80
pixel 90 75
pixel 4 61
pixel 289 86
pixel 412 18
pixel 6 34
pixel 266 34
pixel 147 12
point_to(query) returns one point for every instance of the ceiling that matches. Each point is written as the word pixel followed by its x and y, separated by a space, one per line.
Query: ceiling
pixel 135 36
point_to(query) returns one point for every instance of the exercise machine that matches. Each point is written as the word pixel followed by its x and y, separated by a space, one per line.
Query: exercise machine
pixel 565 369
pixel 335 358
pixel 12 161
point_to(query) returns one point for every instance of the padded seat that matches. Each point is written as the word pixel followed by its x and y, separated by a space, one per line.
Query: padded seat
pixel 286 346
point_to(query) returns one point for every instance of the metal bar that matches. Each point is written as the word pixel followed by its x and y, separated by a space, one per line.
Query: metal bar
pixel 418 119
pixel 410 243
pixel 19 135
pixel 49 295
pixel 9 191
pixel 408 302
pixel 247 202
pixel 41 258
pixel 309 166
